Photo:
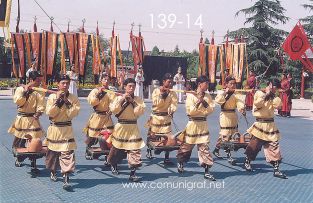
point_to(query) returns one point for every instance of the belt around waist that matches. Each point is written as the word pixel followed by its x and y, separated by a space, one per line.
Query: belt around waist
pixel 101 112
pixel 228 110
pixel 23 114
pixel 60 141
pixel 197 118
pixel 61 124
pixel 160 113
pixel 121 121
pixel 265 120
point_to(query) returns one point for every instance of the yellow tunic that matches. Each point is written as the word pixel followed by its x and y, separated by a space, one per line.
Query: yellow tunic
pixel 127 136
pixel 27 125
pixel 197 132
pixel 265 110
pixel 61 138
pixel 228 118
pixel 160 120
pixel 100 119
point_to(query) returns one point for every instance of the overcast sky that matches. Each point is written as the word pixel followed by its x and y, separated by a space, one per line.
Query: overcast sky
pixel 217 15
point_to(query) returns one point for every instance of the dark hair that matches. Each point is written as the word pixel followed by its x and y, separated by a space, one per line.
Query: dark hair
pixel 34 74
pixel 167 76
pixel 62 77
pixel 275 82
pixel 202 79
pixel 129 80
pixel 229 78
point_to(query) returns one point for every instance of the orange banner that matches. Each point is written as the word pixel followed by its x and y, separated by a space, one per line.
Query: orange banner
pixel 212 63
pixel 19 43
pixel 242 50
pixel 51 51
pixel 202 59
pixel 134 52
pixel 82 45
pixel 27 46
pixel 113 68
pixel 35 44
pixel 235 68
pixel 229 58
pixel 96 62
pixel 70 42
pixel 222 63
pixel 43 66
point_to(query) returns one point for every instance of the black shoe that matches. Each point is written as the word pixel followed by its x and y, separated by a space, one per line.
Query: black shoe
pixel 279 174
pixel 18 163
pixel 106 163
pixel 217 153
pixel 114 170
pixel 208 175
pixel 149 154
pixel 53 177
pixel 248 165
pixel 134 178
pixel 232 161
pixel 167 161
pixel 180 167
pixel 66 184
pixel 35 171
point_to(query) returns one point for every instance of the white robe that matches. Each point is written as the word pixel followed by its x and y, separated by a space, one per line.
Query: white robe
pixel 73 86
pixel 139 85
pixel 179 80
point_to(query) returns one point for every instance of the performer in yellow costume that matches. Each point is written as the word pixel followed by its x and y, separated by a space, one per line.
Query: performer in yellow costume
pixel 264 131
pixel 100 119
pixel 61 108
pixel 164 104
pixel 229 101
pixel 126 139
pixel 30 106
pixel 198 107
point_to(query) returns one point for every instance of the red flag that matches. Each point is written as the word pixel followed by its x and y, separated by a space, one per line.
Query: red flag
pixel 296 43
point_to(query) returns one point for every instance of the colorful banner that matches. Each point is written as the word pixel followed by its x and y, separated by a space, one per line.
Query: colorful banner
pixel 5 11
pixel 27 46
pixel 35 44
pixel 62 59
pixel 212 56
pixel 19 43
pixel 12 54
pixel 82 45
pixel 229 57
pixel 96 62
pixel 235 54
pixel 70 42
pixel 51 51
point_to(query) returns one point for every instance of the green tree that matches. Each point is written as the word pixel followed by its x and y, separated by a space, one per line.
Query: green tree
pixel 155 51
pixel 308 21
pixel 262 38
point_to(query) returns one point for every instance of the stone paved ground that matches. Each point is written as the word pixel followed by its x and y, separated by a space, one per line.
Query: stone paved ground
pixel 94 183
